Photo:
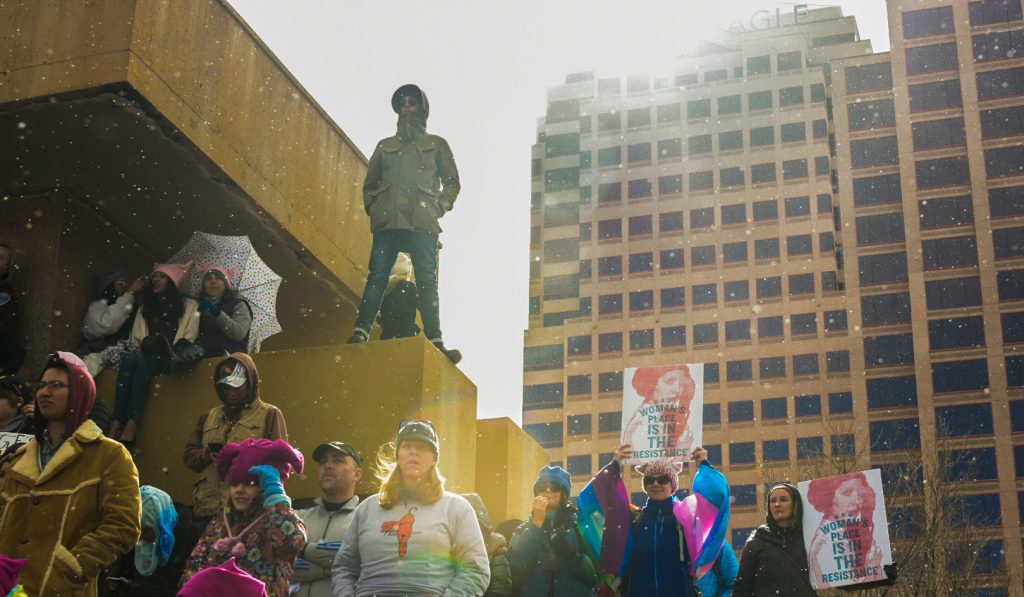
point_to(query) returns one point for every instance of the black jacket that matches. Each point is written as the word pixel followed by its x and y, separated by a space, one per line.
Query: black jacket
pixel 774 560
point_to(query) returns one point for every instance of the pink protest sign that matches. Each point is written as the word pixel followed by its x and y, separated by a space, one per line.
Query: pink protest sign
pixel 846 531
pixel 663 410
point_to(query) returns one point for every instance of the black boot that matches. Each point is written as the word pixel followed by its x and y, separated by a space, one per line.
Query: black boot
pixel 157 352
pixel 184 354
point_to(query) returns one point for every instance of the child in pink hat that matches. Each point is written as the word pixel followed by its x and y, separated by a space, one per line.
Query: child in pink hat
pixel 164 316
pixel 257 527
pixel 9 568
pixel 222 581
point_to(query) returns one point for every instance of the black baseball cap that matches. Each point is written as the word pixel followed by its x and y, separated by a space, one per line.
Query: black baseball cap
pixel 320 452
pixel 15 384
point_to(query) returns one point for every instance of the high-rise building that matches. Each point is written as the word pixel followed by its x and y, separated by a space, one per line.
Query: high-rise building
pixel 835 233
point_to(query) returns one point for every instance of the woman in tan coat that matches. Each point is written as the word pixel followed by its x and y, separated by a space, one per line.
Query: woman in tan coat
pixel 70 504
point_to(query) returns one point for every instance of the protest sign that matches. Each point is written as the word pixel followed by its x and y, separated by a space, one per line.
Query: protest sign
pixel 846 531
pixel 663 408
pixel 9 439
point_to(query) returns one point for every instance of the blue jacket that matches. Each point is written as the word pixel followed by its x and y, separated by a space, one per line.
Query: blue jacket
pixel 659 564
pixel 551 562
pixel 718 582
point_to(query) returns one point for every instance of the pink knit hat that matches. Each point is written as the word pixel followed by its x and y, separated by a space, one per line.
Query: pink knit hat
pixel 661 466
pixel 174 271
pixel 9 568
pixel 235 460
pixel 222 581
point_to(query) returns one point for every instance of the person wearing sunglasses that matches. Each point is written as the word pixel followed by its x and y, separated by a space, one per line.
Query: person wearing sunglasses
pixel 412 538
pixel 70 502
pixel 546 554
pixel 411 182
pixel 673 547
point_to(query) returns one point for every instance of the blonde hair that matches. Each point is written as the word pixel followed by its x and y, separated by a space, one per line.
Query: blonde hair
pixel 431 490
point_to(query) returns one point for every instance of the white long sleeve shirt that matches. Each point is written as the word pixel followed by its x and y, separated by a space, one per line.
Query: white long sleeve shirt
pixel 102 320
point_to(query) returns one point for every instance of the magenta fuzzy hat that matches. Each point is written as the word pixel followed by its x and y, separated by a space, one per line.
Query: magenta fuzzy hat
pixel 661 466
pixel 174 271
pixel 235 460
pixel 9 568
pixel 222 581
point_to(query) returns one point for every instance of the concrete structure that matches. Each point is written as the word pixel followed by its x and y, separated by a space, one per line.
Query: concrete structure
pixel 836 233
pixel 129 125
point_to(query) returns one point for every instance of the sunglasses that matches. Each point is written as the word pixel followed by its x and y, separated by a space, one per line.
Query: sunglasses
pixel 660 480
pixel 410 101
pixel 549 487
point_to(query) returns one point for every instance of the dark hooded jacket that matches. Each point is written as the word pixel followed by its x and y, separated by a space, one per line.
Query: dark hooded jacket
pixel 411 180
pixel 551 561
pixel 497 550
pixel 774 560
pixel 223 425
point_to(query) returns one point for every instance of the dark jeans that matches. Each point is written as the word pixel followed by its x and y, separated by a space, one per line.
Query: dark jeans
pixel 422 248
pixel 133 378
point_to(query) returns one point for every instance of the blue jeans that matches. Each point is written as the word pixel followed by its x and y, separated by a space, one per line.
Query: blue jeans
pixel 133 377
pixel 422 248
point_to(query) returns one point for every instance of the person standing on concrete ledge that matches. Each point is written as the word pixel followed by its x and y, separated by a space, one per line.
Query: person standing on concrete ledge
pixel 411 182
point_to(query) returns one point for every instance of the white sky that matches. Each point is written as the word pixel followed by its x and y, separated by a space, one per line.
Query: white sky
pixel 486 67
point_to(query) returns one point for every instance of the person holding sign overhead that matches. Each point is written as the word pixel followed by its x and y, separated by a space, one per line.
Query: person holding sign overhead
pixel 774 560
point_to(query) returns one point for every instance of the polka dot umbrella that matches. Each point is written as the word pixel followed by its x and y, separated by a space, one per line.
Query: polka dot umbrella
pixel 253 279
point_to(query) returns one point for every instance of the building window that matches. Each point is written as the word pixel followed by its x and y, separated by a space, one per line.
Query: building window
pixel 939 95
pixel 640 189
pixel 759 100
pixel 801 284
pixel 931 21
pixel 759 65
pixel 609 266
pixel 579 345
pixel 670 221
pixel 1013 328
pixel 1002 122
pixel 946 253
pixel 737 291
pixel 673 336
pixel 712 414
pixel 609 304
pixel 930 59
pixel 943 213
pixel 874 152
pixel 885 309
pixel 609 382
pixel 609 229
pixel 943 172
pixel 803 323
pixel 698 109
pixel 577 385
pixel 670 149
pixel 673 297
pixel 819 128
pixel 1000 83
pixel 799 244
pixel 698 144
pixel 794 132
pixel 641 300
pixel 737 330
pixel 609 122
pixel 579 465
pixel 766 210
pixel 771 368
pixel 769 287
pixel 956 332
pixel 741 452
pixel 887 351
pixel 638 118
pixel 881 269
pixel 837 361
pixel 877 190
pixel 579 424
pixel 641 339
pixel 769 327
pixel 774 408
pixel 743 495
pixel 534 305
pixel 638 153
pixel 705 333
pixel 731 177
pixel 789 61
pixel 1000 45
pixel 609 422
pixel 963 420
pixel 542 396
pixel 729 104
pixel 988 12
pixel 938 133
pixel 640 226
pixel 670 185
pixel 885 228
pixel 843 444
pixel 775 450
pixel 701 181
pixel 563 111
pixel 953 293
pixel 1008 242
pixel 798 206
pixel 840 403
pixel 548 435
pixel 609 342
pixel 794 169
pixel 705 294
pixel 730 140
pixel 762 173
pixel 898 434
pixel 892 392
pixel 741 410
pixel 669 113
pixel 671 259
pixel 641 262
pixel 835 321
pixel 976 464
pixel 734 252
pixel 805 364
pixel 702 255
pixel 1004 161
pixel 870 77
pixel 609 157
pixel 734 214
pixel 761 136
pixel 791 96
pixel 809 447
pixel 710 373
pixel 610 192
pixel 959 376
pixel 542 358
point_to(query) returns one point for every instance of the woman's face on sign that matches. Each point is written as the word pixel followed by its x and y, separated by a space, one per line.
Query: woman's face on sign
pixel 846 498
pixel 670 386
